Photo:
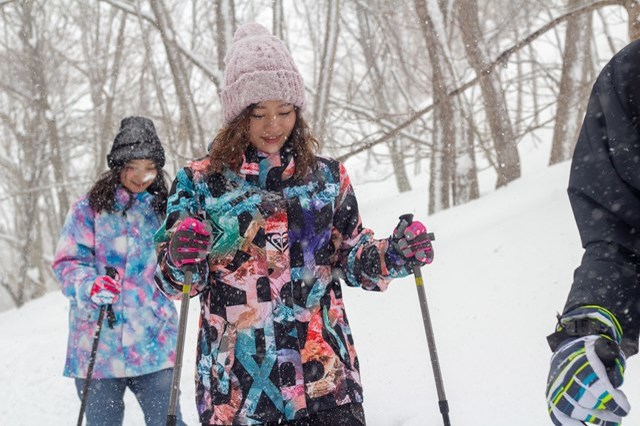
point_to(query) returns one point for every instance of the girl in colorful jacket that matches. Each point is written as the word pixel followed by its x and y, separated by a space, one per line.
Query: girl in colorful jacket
pixel 269 230
pixel 105 256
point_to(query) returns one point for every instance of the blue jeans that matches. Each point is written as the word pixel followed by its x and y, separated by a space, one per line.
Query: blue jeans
pixel 105 403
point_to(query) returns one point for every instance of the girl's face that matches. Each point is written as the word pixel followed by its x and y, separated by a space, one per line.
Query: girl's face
pixel 138 175
pixel 270 124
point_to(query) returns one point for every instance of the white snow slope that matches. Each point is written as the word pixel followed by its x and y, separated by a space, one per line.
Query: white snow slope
pixel 502 270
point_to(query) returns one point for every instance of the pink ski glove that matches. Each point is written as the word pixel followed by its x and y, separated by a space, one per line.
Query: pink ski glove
pixel 412 242
pixel 105 290
pixel 190 243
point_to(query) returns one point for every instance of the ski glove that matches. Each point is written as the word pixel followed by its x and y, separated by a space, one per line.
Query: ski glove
pixel 587 368
pixel 190 243
pixel 105 290
pixel 412 242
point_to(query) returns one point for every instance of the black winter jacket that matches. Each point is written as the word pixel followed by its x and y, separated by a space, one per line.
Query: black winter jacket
pixel 604 190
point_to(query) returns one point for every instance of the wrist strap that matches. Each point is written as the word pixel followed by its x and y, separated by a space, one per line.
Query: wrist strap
pixel 579 327
pixel 584 321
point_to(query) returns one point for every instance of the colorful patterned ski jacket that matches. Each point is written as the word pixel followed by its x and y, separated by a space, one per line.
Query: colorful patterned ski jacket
pixel 274 341
pixel 143 338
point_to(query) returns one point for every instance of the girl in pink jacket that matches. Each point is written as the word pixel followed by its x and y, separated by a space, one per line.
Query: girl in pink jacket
pixel 112 227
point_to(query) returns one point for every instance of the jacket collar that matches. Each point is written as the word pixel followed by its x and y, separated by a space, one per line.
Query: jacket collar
pixel 125 199
pixel 272 172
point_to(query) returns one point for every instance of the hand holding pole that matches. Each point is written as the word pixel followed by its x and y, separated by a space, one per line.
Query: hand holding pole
pixel 195 240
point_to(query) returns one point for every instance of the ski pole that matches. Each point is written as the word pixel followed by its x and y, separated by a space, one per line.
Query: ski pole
pixel 113 273
pixel 405 221
pixel 182 327
pixel 433 353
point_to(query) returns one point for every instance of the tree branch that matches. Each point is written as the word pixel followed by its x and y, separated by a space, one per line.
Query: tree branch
pixel 211 73
pixel 501 59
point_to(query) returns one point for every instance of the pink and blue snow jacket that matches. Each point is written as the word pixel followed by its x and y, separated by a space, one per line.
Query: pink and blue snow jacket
pixel 274 342
pixel 143 340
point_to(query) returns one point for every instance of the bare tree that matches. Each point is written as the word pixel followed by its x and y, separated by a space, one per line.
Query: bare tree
pixel 102 52
pixel 277 23
pixel 225 27
pixel 571 104
pixel 37 163
pixel 372 47
pixel 444 136
pixel 189 127
pixel 633 9
pixel 508 161
pixel 325 72
pixel 389 83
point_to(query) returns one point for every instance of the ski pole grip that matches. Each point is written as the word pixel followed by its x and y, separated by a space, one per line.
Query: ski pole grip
pixel 111 272
pixel 407 217
pixel 405 220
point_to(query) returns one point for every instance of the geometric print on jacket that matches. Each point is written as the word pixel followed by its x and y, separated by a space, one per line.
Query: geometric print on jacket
pixel 143 339
pixel 274 341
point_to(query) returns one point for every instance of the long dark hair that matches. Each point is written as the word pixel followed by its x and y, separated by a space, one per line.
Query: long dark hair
pixel 232 141
pixel 102 195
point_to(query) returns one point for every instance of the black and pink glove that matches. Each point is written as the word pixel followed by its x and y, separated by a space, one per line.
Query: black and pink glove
pixel 190 243
pixel 412 242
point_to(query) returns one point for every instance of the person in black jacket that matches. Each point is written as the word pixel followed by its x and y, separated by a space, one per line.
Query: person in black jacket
pixel 600 323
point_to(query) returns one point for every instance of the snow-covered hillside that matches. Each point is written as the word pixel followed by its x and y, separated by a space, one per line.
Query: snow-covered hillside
pixel 503 267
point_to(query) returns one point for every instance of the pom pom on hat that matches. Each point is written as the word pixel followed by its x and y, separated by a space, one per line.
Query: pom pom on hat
pixel 258 68
pixel 136 140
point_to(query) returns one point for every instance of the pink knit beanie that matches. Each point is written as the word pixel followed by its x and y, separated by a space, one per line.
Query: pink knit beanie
pixel 258 68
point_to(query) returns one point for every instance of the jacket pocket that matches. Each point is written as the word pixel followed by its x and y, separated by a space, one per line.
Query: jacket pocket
pixel 84 315
pixel 163 308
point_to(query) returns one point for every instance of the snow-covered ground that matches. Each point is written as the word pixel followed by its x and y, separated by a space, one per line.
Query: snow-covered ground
pixel 503 268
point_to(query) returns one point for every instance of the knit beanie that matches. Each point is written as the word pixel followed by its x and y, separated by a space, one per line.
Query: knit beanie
pixel 136 140
pixel 258 68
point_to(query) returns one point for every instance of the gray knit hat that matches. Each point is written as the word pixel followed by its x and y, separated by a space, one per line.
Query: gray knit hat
pixel 258 68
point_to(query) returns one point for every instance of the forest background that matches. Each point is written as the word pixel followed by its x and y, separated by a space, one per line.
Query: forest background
pixel 447 92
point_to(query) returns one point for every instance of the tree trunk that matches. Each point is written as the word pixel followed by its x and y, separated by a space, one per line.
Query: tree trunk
pixel 368 44
pixel 278 19
pixel 225 28
pixel 190 128
pixel 444 135
pixel 633 10
pixel 571 101
pixel 325 76
pixel 508 159
pixel 46 119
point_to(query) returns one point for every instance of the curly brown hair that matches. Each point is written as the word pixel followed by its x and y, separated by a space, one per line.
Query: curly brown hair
pixel 102 195
pixel 231 142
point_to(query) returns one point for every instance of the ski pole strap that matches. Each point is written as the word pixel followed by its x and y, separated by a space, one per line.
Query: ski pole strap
pixel 585 321
pixel 111 316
